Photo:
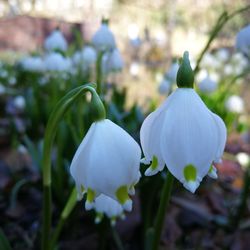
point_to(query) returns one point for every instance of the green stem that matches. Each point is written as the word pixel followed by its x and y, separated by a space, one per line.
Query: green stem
pixel 63 217
pixel 243 200
pixel 164 201
pixel 117 239
pixel 99 72
pixel 222 20
pixel 50 133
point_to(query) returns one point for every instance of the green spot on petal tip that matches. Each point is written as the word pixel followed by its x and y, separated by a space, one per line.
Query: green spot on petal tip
pixel 190 173
pixel 122 194
pixel 154 163
pixel 90 195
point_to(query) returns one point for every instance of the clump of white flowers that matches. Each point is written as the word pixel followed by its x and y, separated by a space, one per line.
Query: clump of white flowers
pixel 243 41
pixel 235 104
pixel 56 41
pixel 33 64
pixel 104 205
pixel 56 62
pixel 183 134
pixel 106 162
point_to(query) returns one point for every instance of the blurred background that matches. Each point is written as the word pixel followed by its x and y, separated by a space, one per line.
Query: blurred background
pixel 151 36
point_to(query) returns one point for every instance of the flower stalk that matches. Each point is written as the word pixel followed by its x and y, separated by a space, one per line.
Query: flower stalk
pixel 50 133
pixel 160 217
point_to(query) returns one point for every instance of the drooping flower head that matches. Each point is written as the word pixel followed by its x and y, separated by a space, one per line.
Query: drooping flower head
pixel 183 134
pixel 112 61
pixel 104 39
pixel 55 41
pixel 106 162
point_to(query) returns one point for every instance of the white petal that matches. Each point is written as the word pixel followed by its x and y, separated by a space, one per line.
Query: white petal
pixel 127 205
pixel 191 185
pixel 150 135
pixel 222 135
pixel 213 172
pixel 189 136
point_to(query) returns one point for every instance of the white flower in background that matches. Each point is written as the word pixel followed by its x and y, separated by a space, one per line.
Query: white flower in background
pixel 223 55
pixel 56 62
pixel 33 63
pixel 210 61
pixel 55 41
pixel 108 206
pixel 172 72
pixel 89 55
pixel 19 102
pixel 106 162
pixel 3 73
pixel 134 69
pixel 164 87
pixel 12 80
pixel 243 40
pixel 235 104
pixel 86 57
pixel 243 158
pixel 201 75
pixel 207 85
pixel 112 61
pixel 104 39
pixel 183 134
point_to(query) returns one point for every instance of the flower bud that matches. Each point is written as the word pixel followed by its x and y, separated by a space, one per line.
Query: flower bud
pixel 185 74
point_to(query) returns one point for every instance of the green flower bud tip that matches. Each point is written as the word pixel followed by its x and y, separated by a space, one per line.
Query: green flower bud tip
pixel 98 108
pixel 185 74
pixel 105 21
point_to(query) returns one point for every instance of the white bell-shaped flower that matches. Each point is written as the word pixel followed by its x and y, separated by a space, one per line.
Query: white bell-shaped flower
pixel 104 205
pixel 89 55
pixel 104 39
pixel 183 134
pixel 55 41
pixel 235 104
pixel 112 61
pixel 107 162
pixel 172 72
pixel 207 85
pixel 56 62
pixel 32 63
pixel 243 41
pixel 164 87
pixel 86 57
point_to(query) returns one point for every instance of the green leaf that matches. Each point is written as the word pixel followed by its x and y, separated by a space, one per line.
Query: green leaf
pixel 4 242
